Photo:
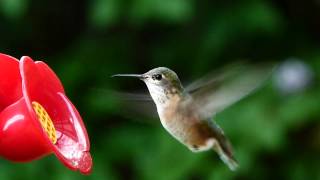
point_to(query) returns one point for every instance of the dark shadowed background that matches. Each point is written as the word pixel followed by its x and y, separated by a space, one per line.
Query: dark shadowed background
pixel 275 131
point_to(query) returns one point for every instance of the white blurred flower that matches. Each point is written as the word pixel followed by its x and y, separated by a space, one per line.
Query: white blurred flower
pixel 293 76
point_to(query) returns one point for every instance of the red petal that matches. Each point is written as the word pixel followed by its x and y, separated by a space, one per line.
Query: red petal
pixel 10 84
pixel 40 84
pixel 74 153
pixel 21 136
pixel 50 76
pixel 39 76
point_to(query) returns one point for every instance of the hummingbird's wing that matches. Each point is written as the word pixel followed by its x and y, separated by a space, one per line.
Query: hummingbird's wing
pixel 135 104
pixel 212 94
pixel 140 103
pixel 214 78
pixel 142 97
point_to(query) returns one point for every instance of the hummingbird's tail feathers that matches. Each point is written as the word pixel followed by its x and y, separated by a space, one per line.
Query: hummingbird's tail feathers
pixel 223 147
pixel 229 161
pixel 225 155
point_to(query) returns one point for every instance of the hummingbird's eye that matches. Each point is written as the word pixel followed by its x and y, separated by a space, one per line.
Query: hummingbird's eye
pixel 157 77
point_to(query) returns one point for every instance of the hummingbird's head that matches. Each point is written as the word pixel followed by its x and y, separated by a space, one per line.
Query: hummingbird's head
pixel 163 78
pixel 162 83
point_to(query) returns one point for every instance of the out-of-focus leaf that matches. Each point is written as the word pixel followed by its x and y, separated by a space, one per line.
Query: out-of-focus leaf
pixel 104 12
pixel 13 9
pixel 173 11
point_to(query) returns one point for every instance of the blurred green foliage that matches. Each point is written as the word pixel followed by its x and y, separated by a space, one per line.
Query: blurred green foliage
pixel 274 135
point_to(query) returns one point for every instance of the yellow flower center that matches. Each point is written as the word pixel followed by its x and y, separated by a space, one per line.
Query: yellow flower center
pixel 45 121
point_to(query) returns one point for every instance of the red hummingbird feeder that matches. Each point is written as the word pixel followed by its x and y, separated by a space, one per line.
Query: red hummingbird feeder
pixel 37 118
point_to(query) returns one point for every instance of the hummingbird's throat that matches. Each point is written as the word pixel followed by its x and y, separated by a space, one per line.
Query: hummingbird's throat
pixel 158 94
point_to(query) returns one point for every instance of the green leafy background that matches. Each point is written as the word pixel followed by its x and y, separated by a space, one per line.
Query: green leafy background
pixel 275 136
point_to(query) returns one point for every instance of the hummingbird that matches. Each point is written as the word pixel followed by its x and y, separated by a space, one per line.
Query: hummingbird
pixel 187 113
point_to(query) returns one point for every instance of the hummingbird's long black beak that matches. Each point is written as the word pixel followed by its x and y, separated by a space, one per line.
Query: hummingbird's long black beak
pixel 140 76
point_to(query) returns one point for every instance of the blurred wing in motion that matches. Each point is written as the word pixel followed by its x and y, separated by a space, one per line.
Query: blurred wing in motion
pixel 133 96
pixel 137 103
pixel 213 94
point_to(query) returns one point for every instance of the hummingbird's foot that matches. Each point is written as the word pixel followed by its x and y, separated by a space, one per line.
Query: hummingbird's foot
pixel 212 143
pixel 203 147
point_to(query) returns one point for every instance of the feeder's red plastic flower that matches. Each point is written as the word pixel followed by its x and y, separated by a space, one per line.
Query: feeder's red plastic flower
pixel 37 118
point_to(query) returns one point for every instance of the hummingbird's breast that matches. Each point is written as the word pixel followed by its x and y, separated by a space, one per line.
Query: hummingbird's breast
pixel 183 123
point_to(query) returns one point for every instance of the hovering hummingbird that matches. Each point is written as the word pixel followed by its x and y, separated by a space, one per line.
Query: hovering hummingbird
pixel 186 113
